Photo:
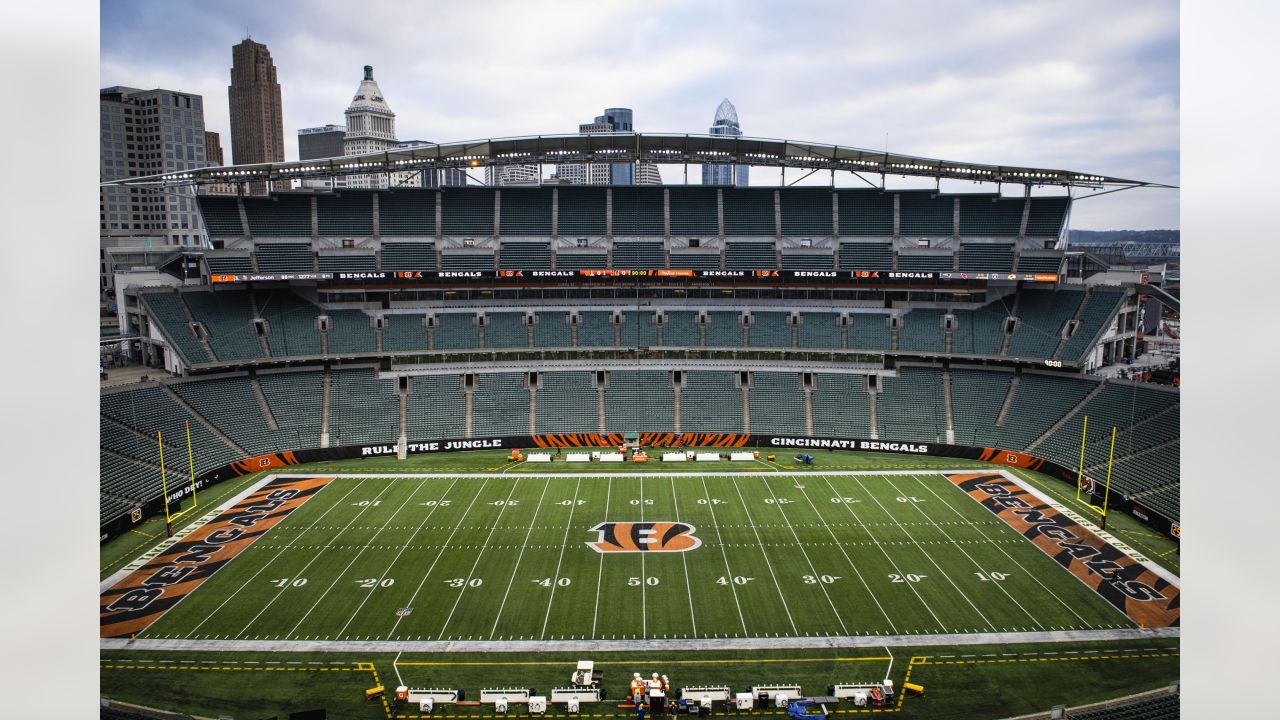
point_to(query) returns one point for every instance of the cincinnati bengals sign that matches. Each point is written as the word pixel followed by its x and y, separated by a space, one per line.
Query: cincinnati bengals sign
pixel 658 536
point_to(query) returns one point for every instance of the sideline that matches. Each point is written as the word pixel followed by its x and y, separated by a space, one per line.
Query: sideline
pixel 527 646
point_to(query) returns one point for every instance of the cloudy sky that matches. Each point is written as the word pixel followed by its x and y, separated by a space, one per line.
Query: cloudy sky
pixel 1088 86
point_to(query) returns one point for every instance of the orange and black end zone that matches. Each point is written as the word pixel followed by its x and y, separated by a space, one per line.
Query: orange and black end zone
pixel 133 604
pixel 648 439
pixel 1145 597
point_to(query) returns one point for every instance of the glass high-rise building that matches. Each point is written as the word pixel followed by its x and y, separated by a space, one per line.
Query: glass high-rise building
pixel 620 119
pixel 725 123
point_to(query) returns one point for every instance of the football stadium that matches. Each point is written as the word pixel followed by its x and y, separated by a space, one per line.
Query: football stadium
pixel 561 451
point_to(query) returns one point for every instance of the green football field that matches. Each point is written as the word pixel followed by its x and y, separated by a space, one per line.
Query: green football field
pixel 508 556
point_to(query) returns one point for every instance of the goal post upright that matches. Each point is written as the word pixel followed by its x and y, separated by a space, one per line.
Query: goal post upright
pixel 1106 493
pixel 164 484
pixel 191 463
pixel 1080 473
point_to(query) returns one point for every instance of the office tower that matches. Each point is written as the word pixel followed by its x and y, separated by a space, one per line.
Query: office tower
pixel 257 128
pixel 148 132
pixel 212 147
pixel 725 123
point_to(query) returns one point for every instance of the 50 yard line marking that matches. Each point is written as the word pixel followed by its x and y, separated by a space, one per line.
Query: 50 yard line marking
pixel 929 557
pixel 999 586
pixel 720 541
pixel 472 572
pixel 440 553
pixel 564 542
pixel 644 576
pixel 391 564
pixel 267 564
pixel 511 580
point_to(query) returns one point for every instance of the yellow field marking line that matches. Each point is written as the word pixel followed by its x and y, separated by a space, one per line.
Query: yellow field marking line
pixel 1060 658
pixel 236 668
pixel 1166 552
pixel 633 662
pixel 149 537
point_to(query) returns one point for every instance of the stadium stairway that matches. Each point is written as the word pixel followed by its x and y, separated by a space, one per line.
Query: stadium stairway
pixel 202 420
pixel 204 341
pixel 263 405
pixel 1065 417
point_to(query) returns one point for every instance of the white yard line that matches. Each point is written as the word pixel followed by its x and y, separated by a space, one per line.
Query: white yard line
pixel 1004 552
pixel 874 596
pixel 268 563
pixel 315 557
pixel 924 552
pixel 359 554
pixel 440 553
pixel 472 572
pixel 595 614
pixel 893 563
pixel 704 473
pixel 765 557
pixel 684 560
pixel 720 541
pixel 644 577
pixel 564 543
pixel 516 571
pixel 821 586
pixel 382 576
pixel 999 586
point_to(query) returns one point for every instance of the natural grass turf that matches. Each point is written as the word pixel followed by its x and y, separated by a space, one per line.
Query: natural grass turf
pixel 997 681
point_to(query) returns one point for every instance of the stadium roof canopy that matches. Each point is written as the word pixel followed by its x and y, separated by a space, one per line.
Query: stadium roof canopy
pixel 660 149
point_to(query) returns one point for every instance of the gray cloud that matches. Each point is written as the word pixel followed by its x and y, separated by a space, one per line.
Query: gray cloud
pixel 1088 85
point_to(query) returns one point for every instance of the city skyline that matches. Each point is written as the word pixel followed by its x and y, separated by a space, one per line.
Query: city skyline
pixel 1066 91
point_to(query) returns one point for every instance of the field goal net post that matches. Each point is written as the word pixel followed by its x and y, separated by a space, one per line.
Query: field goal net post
pixel 1080 477
pixel 164 483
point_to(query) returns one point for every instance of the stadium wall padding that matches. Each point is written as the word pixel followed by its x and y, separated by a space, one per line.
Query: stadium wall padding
pixel 273 461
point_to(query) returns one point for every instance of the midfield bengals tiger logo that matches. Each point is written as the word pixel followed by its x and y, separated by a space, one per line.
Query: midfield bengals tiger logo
pixel 658 536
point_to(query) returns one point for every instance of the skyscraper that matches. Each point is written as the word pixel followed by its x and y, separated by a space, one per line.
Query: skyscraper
pixel 430 178
pixel 257 127
pixel 212 147
pixel 620 119
pixel 319 143
pixel 322 142
pixel 371 127
pixel 148 132
pixel 587 173
pixel 613 120
pixel 725 123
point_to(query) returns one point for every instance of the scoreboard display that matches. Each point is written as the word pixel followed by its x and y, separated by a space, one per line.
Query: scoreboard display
pixel 657 275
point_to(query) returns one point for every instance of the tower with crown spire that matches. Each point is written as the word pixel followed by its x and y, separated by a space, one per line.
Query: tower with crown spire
pixel 371 127
pixel 725 123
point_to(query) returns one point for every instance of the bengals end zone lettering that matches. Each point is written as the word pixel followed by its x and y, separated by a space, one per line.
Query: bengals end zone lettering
pixel 1147 598
pixel 142 597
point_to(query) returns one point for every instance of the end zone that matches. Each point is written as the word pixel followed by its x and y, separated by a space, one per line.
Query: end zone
pixel 173 571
